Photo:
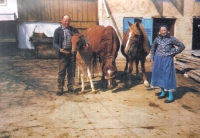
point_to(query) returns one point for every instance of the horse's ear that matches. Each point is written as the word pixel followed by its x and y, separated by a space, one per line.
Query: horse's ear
pixel 129 23
pixel 80 35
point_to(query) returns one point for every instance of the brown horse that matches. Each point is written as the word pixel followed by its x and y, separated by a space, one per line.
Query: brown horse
pixel 135 47
pixel 83 59
pixel 105 44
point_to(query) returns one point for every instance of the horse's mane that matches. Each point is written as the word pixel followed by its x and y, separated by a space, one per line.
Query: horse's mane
pixel 146 45
pixel 135 29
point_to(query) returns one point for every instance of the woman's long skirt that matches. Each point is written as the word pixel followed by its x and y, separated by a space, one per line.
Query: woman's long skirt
pixel 163 73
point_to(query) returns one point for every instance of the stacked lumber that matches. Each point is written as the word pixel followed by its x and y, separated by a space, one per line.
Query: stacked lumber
pixel 189 65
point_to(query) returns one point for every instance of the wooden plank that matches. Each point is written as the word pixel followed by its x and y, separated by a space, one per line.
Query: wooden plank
pixel 53 10
pixel 69 9
pixel 187 65
pixel 79 10
pixel 196 53
pixel 56 10
pixel 187 58
pixel 61 8
pixel 43 10
pixel 196 72
pixel 74 13
pixel 65 4
pixel 94 10
pixel 197 78
pixel 85 10
pixel 90 14
pixel 47 4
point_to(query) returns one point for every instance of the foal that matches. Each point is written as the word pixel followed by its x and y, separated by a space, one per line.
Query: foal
pixel 83 59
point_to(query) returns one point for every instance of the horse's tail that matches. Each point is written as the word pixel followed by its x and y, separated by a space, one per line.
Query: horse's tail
pixel 94 61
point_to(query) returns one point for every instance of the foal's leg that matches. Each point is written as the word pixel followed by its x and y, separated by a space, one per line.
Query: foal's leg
pixel 82 83
pixel 79 75
pixel 90 78
pixel 142 61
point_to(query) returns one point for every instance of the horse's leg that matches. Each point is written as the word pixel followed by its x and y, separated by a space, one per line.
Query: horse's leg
pixel 101 67
pixel 130 72
pixel 110 80
pixel 142 61
pixel 90 78
pixel 103 81
pixel 126 66
pixel 93 63
pixel 136 68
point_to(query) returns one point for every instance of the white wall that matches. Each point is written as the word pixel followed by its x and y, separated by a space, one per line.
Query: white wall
pixel 25 31
pixel 9 8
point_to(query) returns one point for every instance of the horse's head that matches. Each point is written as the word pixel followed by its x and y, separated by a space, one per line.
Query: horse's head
pixel 134 42
pixel 77 42
pixel 109 69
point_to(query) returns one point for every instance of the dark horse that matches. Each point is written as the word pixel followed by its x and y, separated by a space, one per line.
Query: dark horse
pixel 105 44
pixel 135 47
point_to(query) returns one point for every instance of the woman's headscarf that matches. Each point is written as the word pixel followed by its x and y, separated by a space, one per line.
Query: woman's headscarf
pixel 168 34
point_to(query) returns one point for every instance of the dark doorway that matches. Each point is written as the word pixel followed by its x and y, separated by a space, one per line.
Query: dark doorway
pixel 8 29
pixel 196 34
pixel 163 21
pixel 8 37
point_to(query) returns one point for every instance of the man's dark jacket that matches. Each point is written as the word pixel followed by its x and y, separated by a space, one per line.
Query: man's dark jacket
pixel 59 37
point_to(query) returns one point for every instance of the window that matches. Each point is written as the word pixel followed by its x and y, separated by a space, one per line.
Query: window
pixel 3 2
pixel 146 22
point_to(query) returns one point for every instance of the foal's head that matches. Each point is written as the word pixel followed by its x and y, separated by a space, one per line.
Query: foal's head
pixel 77 42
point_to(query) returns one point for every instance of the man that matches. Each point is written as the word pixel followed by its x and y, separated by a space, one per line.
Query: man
pixel 67 60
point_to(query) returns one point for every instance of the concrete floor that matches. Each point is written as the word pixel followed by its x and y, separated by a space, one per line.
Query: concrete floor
pixel 29 107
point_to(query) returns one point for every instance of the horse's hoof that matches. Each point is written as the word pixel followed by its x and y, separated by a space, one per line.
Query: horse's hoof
pixel 104 84
pixel 110 87
pixel 93 91
pixel 100 74
pixel 138 77
pixel 128 85
pixel 81 92
pixel 146 83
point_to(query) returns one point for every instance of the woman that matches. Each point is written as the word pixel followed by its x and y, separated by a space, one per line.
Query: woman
pixel 163 70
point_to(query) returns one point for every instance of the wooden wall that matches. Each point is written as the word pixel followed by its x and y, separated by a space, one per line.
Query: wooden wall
pixel 83 12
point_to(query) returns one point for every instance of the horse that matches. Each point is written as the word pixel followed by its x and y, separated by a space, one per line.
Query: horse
pixel 135 47
pixel 83 59
pixel 105 45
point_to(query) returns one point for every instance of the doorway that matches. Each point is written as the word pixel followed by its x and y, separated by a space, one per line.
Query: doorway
pixel 163 21
pixel 196 34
